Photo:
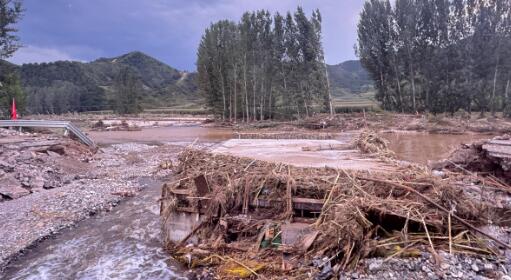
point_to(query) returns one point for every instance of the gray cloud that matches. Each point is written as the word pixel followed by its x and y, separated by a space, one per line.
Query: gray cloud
pixel 166 29
pixel 35 54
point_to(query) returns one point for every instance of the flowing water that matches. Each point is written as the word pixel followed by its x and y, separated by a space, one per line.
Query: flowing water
pixel 125 243
pixel 121 244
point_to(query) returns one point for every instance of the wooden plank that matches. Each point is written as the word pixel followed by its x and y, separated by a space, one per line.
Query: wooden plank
pixel 500 142
pixel 308 204
pixel 498 150
pixel 180 192
pixel 299 203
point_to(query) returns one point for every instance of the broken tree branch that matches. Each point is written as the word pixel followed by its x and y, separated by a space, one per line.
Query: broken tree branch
pixel 467 224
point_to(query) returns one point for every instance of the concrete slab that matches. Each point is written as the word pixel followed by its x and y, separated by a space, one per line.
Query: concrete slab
pixel 289 151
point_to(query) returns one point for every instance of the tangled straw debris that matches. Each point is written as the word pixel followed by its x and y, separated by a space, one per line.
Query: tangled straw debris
pixel 256 213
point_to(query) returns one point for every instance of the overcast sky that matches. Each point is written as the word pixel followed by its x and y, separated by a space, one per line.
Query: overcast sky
pixel 168 30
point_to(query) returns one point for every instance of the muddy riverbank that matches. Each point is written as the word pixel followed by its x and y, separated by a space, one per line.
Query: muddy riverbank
pixel 385 121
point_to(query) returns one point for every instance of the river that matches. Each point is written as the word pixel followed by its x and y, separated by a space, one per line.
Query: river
pixel 121 244
pixel 125 243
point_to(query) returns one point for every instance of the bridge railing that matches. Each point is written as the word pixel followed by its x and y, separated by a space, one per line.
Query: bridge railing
pixel 50 124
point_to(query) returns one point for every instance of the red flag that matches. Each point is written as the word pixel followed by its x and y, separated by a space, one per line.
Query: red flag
pixel 14 115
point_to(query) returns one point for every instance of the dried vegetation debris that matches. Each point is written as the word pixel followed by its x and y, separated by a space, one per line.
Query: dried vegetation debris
pixel 122 125
pixel 370 142
pixel 268 219
pixel 440 124
pixel 490 159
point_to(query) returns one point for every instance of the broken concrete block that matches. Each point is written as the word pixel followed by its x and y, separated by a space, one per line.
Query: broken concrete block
pixel 10 187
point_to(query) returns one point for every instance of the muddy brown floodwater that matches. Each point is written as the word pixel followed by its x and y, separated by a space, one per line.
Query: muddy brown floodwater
pixel 417 147
pixel 420 147
pixel 162 135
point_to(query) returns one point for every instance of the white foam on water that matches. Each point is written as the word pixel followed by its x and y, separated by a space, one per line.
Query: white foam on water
pixel 122 244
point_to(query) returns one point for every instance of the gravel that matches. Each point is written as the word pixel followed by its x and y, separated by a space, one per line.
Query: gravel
pixel 452 267
pixel 112 174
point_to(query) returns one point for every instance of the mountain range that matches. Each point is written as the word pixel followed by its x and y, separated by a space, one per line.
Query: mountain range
pixel 163 85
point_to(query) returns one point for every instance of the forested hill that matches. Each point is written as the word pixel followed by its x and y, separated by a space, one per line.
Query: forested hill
pixel 348 78
pixel 64 86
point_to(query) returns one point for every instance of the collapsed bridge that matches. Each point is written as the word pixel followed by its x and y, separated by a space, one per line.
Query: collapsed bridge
pixel 246 215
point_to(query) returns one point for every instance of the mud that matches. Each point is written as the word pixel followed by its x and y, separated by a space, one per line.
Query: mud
pixel 291 152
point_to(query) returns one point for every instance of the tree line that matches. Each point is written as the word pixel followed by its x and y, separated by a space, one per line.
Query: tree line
pixel 264 66
pixel 438 55
pixel 10 88
pixel 64 86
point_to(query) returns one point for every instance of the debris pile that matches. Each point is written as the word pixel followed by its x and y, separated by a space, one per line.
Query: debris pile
pixel 491 158
pixel 250 218
pixel 31 162
pixel 114 126
pixel 370 143
pixel 436 124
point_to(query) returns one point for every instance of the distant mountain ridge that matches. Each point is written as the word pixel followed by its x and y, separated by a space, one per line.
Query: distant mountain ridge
pixel 63 86
pixel 348 78
pixel 69 85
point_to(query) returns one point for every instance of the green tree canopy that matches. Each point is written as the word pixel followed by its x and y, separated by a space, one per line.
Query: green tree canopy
pixel 10 14
pixel 438 55
pixel 264 66
pixel 127 92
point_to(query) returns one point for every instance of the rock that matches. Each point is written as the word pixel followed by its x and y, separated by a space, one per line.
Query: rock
pixel 5 166
pixel 438 173
pixel 375 265
pixel 52 153
pixel 25 156
pixel 37 183
pixel 432 275
pixel 444 266
pixel 12 188
pixel 488 267
pixel 474 267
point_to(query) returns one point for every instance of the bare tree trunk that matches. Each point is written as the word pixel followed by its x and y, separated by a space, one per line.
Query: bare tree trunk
pixel 383 90
pixel 223 95
pixel 506 100
pixel 298 109
pixel 285 83
pixel 492 103
pixel 247 116
pixel 270 102
pixel 261 116
pixel 235 94
pixel 412 80
pixel 230 105
pixel 400 96
pixel 330 101
pixel 506 93
pixel 254 89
